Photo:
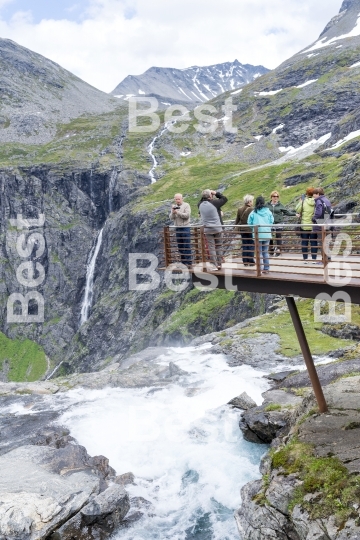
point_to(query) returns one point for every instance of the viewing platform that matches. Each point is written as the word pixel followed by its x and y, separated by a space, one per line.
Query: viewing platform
pixel 323 263
pixel 289 273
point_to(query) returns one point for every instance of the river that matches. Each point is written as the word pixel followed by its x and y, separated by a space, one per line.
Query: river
pixel 182 442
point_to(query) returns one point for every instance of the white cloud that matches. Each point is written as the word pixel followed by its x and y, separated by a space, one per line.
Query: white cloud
pixel 116 38
pixel 5 2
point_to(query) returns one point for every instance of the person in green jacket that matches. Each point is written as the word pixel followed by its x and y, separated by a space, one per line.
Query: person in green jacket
pixel 278 210
pixel 305 210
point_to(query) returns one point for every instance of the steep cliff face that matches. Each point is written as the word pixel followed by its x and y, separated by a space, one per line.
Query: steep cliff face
pixel 75 206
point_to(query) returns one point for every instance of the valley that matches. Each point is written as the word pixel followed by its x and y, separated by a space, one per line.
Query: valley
pixel 105 192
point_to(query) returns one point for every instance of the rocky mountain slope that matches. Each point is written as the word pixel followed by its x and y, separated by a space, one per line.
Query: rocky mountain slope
pixel 36 94
pixel 194 84
pixel 311 98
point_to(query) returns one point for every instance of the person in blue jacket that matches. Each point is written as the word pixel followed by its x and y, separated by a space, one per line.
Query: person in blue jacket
pixel 264 218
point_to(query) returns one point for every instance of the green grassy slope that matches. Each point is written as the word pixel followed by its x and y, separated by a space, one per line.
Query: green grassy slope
pixel 24 360
pixel 85 140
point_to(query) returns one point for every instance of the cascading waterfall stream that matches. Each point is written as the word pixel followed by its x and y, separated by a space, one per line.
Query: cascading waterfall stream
pixel 54 371
pixel 151 148
pixel 88 296
pixel 112 183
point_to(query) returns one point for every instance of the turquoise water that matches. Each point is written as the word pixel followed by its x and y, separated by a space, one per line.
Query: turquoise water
pixel 182 443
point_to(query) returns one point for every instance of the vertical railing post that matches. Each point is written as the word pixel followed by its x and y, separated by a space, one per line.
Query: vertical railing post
pixel 167 247
pixel 203 248
pixel 197 246
pixel 324 256
pixel 257 251
pixel 305 349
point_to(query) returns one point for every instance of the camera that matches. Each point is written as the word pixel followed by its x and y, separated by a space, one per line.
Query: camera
pixel 176 207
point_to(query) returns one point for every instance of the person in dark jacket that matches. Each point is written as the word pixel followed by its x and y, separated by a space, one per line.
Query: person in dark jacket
pixel 322 212
pixel 278 210
pixel 321 202
pixel 246 234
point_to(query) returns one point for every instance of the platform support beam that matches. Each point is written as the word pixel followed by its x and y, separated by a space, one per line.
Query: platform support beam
pixel 305 349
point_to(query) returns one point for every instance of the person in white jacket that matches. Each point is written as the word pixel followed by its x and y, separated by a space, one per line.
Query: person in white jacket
pixel 180 214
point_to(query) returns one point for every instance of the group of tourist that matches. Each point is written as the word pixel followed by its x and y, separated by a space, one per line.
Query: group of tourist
pixel 310 209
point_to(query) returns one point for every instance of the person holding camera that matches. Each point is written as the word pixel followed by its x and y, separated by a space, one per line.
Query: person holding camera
pixel 212 228
pixel 217 199
pixel 180 214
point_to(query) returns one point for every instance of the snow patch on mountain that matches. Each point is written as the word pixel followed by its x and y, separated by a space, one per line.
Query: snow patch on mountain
pixel 194 84
pixel 280 126
pixel 306 83
pixel 351 135
pixel 323 43
pixel 303 151
pixel 270 93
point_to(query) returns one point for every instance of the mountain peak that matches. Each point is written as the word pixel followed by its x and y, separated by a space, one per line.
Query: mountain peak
pixel 349 4
pixel 193 84
pixel 344 22
pixel 37 94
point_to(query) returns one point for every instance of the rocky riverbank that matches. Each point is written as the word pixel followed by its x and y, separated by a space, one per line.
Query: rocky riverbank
pixel 311 476
pixel 50 487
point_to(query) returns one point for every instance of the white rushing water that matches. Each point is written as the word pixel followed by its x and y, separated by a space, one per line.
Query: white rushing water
pixel 151 148
pixel 87 302
pixel 182 442
pixel 54 371
pixel 112 183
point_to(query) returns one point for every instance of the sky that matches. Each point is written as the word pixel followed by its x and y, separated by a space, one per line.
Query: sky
pixel 103 41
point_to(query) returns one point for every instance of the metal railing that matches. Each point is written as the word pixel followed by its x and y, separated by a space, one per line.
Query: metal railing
pixel 316 250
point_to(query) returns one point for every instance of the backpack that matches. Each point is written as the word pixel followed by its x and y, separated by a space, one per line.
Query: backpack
pixel 326 210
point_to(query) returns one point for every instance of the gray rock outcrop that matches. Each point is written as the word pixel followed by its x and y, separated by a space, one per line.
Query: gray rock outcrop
pixel 268 509
pixel 45 489
pixel 99 518
pixel 243 401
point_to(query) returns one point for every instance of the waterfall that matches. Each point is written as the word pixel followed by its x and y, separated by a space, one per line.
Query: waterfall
pixel 54 371
pixel 112 182
pixel 150 151
pixel 92 191
pixel 86 306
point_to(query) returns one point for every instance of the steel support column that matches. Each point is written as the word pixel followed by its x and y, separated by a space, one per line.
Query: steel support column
pixel 307 354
